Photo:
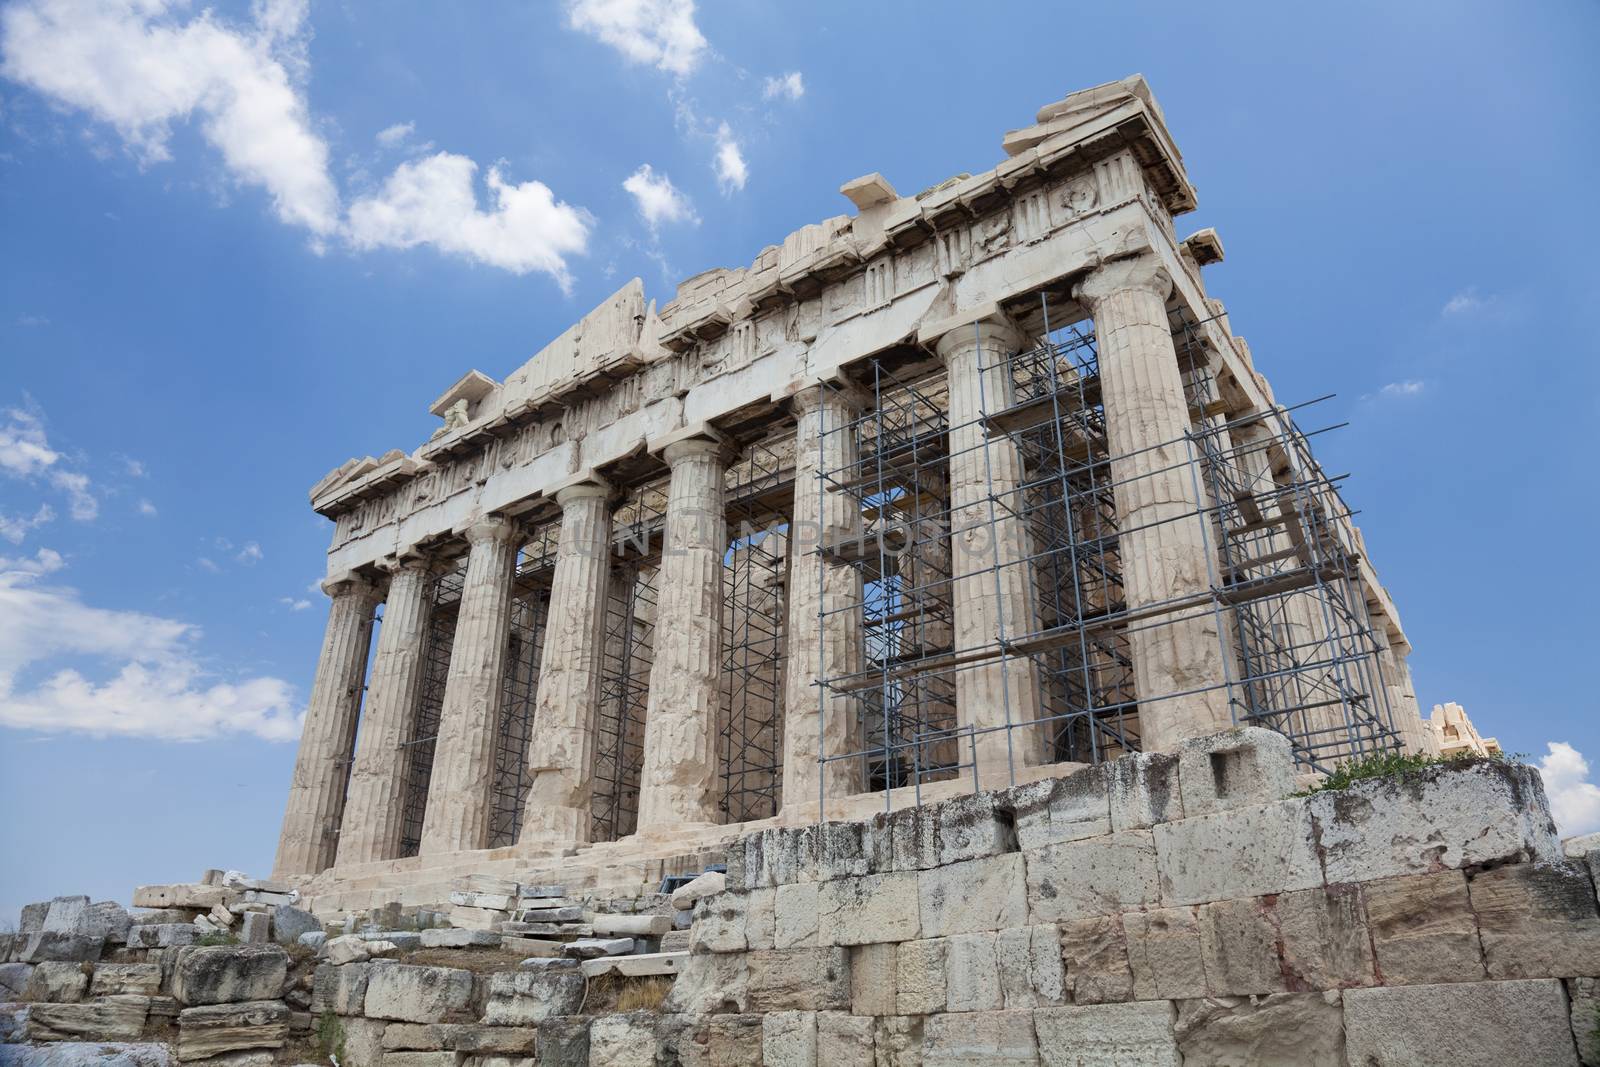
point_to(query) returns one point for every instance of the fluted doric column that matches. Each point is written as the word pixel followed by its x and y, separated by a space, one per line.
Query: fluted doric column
pixel 1163 542
pixel 317 791
pixel 825 624
pixel 561 750
pixel 457 816
pixel 680 743
pixel 374 808
pixel 993 590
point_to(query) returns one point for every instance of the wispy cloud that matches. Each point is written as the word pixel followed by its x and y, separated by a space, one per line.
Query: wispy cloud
pixel 17 529
pixel 732 173
pixel 1409 387
pixel 658 33
pixel 26 454
pixel 791 85
pixel 206 563
pixel 250 554
pixel 1574 800
pixel 32 320
pixel 390 136
pixel 134 467
pixel 155 684
pixel 294 603
pixel 657 199
pixel 147 509
pixel 1463 303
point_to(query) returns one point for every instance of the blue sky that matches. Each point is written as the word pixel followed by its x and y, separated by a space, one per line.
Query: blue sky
pixel 240 247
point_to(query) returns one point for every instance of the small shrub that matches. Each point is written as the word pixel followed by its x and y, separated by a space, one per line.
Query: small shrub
pixel 1388 764
pixel 643 994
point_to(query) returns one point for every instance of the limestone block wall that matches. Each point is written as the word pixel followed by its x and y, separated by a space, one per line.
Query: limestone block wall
pixel 1160 909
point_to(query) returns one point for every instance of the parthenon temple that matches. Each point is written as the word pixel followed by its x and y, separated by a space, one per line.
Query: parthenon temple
pixel 954 491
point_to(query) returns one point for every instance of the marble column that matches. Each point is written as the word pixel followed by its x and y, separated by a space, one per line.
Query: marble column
pixel 814 722
pixel 317 791
pixel 680 729
pixel 457 817
pixel 1164 543
pixel 374 808
pixel 567 709
pixel 993 589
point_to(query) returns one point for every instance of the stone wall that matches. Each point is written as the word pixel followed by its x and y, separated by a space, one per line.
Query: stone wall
pixel 1175 909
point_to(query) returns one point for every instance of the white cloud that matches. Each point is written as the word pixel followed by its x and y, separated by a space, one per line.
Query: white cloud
pixel 32 320
pixel 391 136
pixel 24 450
pixel 729 164
pixel 293 604
pixel 432 202
pixel 1405 388
pixel 657 198
pixel 147 508
pixel 208 564
pixel 661 33
pixel 156 687
pixel 1574 800
pixel 791 85
pixel 16 530
pixel 80 502
pixel 1463 303
pixel 134 467
pixel 250 554
pixel 132 65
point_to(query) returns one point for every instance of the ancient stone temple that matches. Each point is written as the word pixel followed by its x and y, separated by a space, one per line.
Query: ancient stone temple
pixel 955 491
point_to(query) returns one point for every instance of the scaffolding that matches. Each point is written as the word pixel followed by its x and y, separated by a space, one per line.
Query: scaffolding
pixel 530 610
pixel 444 599
pixel 1282 591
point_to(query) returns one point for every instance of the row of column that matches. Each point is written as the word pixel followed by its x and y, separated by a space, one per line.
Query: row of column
pixel 326 823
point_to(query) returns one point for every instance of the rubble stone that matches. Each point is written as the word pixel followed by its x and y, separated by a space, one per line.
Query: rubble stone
pixel 1095 954
pixel 1281 1030
pixel 460 1037
pixel 528 997
pixel 224 974
pixel 290 923
pixel 118 1018
pixel 142 979
pixel 341 990
pixel 710 983
pixel 55 982
pixel 705 885
pixel 212 1029
pixel 412 994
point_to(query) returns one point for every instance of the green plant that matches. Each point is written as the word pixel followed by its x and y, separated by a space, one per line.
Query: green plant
pixel 330 1035
pixel 1386 764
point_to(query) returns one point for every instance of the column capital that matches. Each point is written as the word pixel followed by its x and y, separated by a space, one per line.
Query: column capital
pixel 813 398
pixel 569 495
pixel 692 448
pixel 1137 272
pixel 489 528
pixel 992 331
pixel 349 585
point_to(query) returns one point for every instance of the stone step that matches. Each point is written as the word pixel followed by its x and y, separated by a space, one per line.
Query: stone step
pixel 589 947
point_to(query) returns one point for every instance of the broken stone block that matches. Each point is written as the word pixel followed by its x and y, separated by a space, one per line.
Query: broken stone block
pixel 224 974
pixel 460 1037
pixel 541 891
pixel 844 1040
pixel 420 1059
pixel 118 1018
pixel 1438 817
pixel 14 980
pixel 872 979
pixel 529 997
pixel 69 932
pixel 54 982
pixel 974 827
pixel 86 1054
pixel 547 915
pixel 141 979
pixel 632 1040
pixel 1537 920
pixel 977 894
pixel 1584 995
pixel 588 948
pixel 760 919
pixel 162 935
pixel 221 916
pixel 1242 852
pixel 1031 974
pixel 1243 767
pixel 564 1042
pixel 972 974
pixel 532 946
pixel 1136 1033
pixel 913 838
pixel 641 966
pixel 349 948
pixel 405 940
pixel 199 897
pixel 706 885
pixel 1281 1030
pixel 290 924
pixel 897 1040
pixel 633 925
pixel 790 1038
pixel 416 994
pixel 981 1037
pixel 802 979
pixel 490 901
pixel 363 1041
pixel 341 990
pixel 554 963
pixel 872 908
pixel 1057 810
pixel 1490 1023
pixel 796 915
pixel 1097 876
pixel 1326 942
pixel 1164 953
pixel 709 983
pixel 110 919
pixel 1238 940
pixel 256 929
pixel 920 985
pixel 1095 955
pixel 32 920
pixel 719 924
pixel 1142 788
pixel 448 937
pixel 212 1029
